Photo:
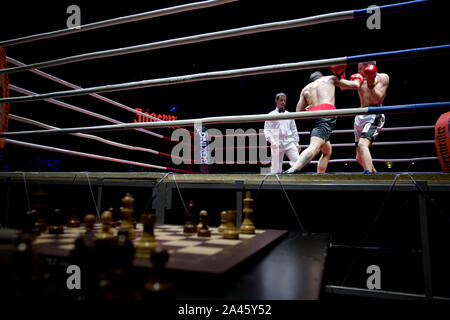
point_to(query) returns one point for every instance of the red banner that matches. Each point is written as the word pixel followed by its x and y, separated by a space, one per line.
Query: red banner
pixel 442 140
pixel 4 110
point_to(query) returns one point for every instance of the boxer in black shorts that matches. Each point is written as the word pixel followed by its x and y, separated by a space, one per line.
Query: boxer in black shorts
pixel 319 94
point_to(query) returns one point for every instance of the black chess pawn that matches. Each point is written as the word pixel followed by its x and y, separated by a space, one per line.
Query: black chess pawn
pixel 83 255
pixel 204 231
pixel 116 219
pixel 158 287
pixel 56 222
pixel 39 203
pixel 121 272
pixel 189 226
pixel 74 220
pixel 29 225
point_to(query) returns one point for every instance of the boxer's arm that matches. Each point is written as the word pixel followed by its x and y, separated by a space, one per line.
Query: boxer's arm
pixel 383 82
pixel 353 84
pixel 301 105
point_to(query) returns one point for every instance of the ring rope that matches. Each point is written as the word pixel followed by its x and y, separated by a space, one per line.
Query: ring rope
pixel 330 161
pixel 334 131
pixel 117 21
pixel 90 113
pixel 378 160
pixel 406 108
pixel 97 96
pixel 214 75
pixel 81 110
pixel 94 95
pixel 93 156
pixel 96 138
pixel 279 25
pixel 337 145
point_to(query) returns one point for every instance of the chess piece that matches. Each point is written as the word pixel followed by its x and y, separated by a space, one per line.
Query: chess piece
pixel 223 221
pixel 89 223
pixel 230 231
pixel 120 273
pixel 116 219
pixel 74 221
pixel 28 234
pixel 30 223
pixel 84 244
pixel 83 255
pixel 204 231
pixel 147 243
pixel 40 205
pixel 88 238
pixel 247 226
pixel 127 213
pixel 157 287
pixel 56 224
pixel 189 226
pixel 106 232
pixel 124 247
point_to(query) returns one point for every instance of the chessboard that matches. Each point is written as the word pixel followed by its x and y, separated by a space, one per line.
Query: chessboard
pixel 187 252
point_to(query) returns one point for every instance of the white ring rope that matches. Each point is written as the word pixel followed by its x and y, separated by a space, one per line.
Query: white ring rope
pixel 214 75
pixel 244 118
pixel 92 137
pixel 73 86
pixel 117 21
pixel 334 131
pixel 225 74
pixel 376 160
pixel 279 25
pixel 90 155
pixel 337 145
pixel 81 110
pixel 273 26
pixel 82 154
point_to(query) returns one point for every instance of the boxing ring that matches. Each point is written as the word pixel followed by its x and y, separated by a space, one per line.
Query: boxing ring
pixel 167 182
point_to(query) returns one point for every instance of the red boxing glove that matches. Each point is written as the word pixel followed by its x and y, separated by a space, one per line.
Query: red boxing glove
pixel 371 74
pixel 339 70
pixel 357 76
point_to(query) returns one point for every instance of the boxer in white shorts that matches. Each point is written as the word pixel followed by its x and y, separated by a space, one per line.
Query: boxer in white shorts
pixel 372 87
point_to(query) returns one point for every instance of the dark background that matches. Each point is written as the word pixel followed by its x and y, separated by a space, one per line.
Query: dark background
pixel 415 80
pixel 412 80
